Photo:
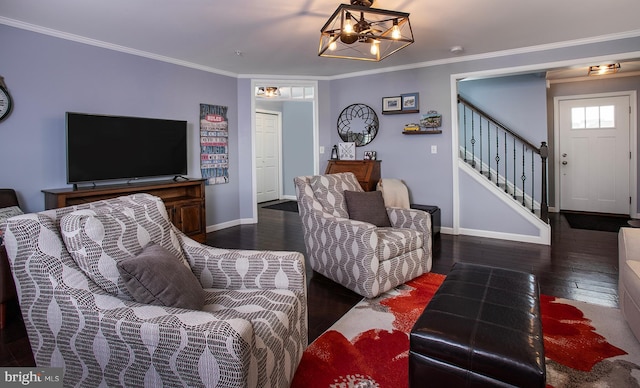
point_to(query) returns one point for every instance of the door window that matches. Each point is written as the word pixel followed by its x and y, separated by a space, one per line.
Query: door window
pixel 590 117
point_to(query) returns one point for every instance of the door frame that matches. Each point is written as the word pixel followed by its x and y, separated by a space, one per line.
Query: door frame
pixel 316 125
pixel 633 143
pixel 279 143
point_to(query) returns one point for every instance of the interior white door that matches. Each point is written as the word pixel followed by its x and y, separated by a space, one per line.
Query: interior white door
pixel 267 157
pixel 595 154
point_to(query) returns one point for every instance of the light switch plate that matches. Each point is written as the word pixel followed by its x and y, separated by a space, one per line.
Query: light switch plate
pixel 434 149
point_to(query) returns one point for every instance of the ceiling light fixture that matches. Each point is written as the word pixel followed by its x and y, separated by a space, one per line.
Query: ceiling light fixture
pixel 604 69
pixel 357 31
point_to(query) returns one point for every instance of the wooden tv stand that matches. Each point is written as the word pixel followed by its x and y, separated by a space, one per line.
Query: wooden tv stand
pixel 185 200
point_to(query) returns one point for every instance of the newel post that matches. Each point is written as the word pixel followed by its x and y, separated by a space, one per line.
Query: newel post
pixel 544 206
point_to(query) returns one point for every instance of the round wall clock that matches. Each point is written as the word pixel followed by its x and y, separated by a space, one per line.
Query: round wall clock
pixel 6 103
pixel 358 123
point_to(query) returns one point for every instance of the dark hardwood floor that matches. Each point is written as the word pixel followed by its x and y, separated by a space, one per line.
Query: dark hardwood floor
pixel 580 265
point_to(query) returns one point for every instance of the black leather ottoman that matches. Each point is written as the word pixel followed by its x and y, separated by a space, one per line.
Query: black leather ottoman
pixel 481 329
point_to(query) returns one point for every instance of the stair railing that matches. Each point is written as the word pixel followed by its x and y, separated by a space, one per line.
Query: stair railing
pixel 501 155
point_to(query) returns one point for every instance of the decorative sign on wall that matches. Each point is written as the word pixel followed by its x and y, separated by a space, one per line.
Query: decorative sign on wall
pixel 214 144
pixel 347 151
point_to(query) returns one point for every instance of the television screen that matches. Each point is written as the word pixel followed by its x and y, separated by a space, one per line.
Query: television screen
pixel 116 147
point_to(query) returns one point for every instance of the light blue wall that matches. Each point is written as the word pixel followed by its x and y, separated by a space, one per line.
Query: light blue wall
pixel 517 101
pixel 405 157
pixel 480 209
pixel 297 142
pixel 429 177
pixel 48 76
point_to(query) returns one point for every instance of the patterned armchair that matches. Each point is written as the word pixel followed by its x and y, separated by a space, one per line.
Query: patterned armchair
pixel 252 329
pixel 361 256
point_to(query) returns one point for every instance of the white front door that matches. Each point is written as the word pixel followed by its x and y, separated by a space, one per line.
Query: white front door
pixel 594 154
pixel 267 156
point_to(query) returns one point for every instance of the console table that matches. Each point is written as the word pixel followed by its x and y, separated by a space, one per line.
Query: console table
pixel 366 171
pixel 184 200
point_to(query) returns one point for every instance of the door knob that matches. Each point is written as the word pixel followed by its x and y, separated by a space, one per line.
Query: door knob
pixel 565 162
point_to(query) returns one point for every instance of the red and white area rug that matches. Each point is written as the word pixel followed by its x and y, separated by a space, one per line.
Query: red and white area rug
pixel 585 345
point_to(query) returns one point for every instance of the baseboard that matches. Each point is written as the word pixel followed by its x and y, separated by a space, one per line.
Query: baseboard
pixel 543 240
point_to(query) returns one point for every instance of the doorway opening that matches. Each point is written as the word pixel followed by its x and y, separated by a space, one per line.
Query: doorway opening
pixel 285 137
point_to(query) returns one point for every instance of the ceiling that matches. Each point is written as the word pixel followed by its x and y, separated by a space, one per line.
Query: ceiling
pixel 281 37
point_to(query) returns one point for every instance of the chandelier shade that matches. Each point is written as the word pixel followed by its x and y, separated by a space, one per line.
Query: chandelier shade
pixel 357 31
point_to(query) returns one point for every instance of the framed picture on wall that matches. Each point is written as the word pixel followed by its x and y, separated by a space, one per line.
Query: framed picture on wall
pixel 410 102
pixel 391 104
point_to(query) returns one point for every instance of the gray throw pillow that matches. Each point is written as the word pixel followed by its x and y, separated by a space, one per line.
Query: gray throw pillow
pixel 158 277
pixel 367 206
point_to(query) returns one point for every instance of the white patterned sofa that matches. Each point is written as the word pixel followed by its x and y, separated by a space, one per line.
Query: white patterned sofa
pixel 363 257
pixel 81 315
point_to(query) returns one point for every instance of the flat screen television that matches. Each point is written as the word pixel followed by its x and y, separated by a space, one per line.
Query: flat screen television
pixel 101 147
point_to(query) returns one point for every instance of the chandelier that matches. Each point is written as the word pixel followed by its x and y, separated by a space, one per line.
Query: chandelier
pixel 357 31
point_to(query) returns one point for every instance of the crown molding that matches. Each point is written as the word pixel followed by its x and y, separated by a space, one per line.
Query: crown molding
pixel 498 54
pixel 439 62
pixel 110 46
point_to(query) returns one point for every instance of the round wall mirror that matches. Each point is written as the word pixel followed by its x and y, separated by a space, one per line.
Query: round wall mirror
pixel 358 123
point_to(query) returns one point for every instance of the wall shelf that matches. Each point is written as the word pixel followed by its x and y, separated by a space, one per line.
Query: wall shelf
pixel 400 112
pixel 422 132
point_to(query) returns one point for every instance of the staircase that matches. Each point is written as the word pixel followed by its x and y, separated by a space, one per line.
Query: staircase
pixel 514 165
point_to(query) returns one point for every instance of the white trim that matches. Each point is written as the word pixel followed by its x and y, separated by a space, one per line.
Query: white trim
pixel 524 69
pixel 110 46
pixel 455 131
pixel 504 236
pixel 254 194
pixel 228 224
pixel 501 53
pixel 633 140
pixel 592 78
pixel 464 58
pixel 316 157
pixel 544 229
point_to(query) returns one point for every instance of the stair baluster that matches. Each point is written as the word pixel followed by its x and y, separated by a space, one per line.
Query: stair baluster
pixel 476 158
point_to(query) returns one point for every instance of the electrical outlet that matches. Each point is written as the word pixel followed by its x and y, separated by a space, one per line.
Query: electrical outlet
pixel 434 149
